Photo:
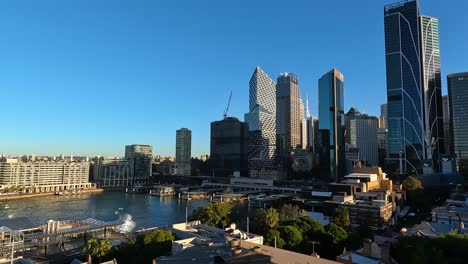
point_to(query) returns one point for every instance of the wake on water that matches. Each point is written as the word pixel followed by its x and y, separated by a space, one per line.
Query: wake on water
pixel 128 223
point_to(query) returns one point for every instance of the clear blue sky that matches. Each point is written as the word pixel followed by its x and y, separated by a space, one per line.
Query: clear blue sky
pixel 87 77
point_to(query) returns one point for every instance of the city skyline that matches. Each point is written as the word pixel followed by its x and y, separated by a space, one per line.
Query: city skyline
pixel 69 98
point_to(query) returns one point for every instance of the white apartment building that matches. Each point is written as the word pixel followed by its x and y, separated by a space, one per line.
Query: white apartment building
pixel 14 172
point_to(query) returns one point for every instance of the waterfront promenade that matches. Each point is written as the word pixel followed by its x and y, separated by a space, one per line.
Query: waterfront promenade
pixel 33 195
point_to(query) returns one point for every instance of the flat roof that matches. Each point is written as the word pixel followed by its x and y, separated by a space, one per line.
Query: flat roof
pixel 18 223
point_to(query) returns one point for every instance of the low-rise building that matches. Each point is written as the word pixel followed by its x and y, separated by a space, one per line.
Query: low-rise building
pixel 113 172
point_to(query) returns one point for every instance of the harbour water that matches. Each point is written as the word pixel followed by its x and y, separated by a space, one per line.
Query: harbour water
pixel 139 210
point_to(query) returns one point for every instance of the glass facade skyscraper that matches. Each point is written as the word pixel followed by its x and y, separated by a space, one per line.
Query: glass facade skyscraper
pixel 433 115
pixel 414 105
pixel 262 122
pixel 331 125
pixel 458 98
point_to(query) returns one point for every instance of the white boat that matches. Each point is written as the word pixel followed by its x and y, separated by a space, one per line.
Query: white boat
pixel 162 191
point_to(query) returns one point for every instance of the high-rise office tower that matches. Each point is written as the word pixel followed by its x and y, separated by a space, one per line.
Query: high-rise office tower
pixel 413 87
pixel 311 135
pixel 332 125
pixel 141 157
pixel 383 119
pixel 432 89
pixel 262 122
pixel 458 98
pixel 363 134
pixel 229 143
pixel 446 117
pixel 288 114
pixel 183 152
pixel 303 127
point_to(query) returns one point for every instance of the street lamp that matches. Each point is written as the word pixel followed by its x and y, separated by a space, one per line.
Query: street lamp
pixel 313 245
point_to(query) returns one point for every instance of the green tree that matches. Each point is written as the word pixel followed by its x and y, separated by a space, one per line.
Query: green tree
pixel 341 217
pixel 146 247
pixel 214 214
pixel 449 248
pixel 291 236
pixel 266 219
pixel 271 218
pixel 308 226
pixel 411 183
pixel 97 248
pixel 270 237
pixel 339 235
pixel 158 236
pixel 290 212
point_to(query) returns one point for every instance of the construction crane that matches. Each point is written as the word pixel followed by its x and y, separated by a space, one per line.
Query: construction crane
pixel 228 104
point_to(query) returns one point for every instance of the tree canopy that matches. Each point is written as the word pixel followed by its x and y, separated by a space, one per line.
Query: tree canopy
pixel 341 217
pixel 291 235
pixel 450 248
pixel 411 183
pixel 270 237
pixel 97 248
pixel 214 214
pixel 146 247
pixel 290 212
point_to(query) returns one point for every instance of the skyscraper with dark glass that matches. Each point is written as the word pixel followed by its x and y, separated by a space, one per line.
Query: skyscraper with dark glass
pixel 458 98
pixel 414 103
pixel 331 125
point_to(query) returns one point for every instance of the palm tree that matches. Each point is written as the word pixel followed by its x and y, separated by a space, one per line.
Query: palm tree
pixel 97 247
pixel 271 218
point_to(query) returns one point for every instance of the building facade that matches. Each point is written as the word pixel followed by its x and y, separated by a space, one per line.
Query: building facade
pixel 114 172
pixel 288 114
pixel 228 147
pixel 432 90
pixel 141 157
pixel 183 152
pixel 458 96
pixel 382 134
pixel 414 105
pixel 363 134
pixel 332 125
pixel 262 122
pixel 15 172
pixel 446 117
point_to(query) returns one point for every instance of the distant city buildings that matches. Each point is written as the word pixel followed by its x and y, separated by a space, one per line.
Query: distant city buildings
pixel 458 98
pixel 183 152
pixel 383 119
pixel 262 124
pixel 414 104
pixel 332 125
pixel 228 147
pixel 135 168
pixel 311 130
pixel 44 173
